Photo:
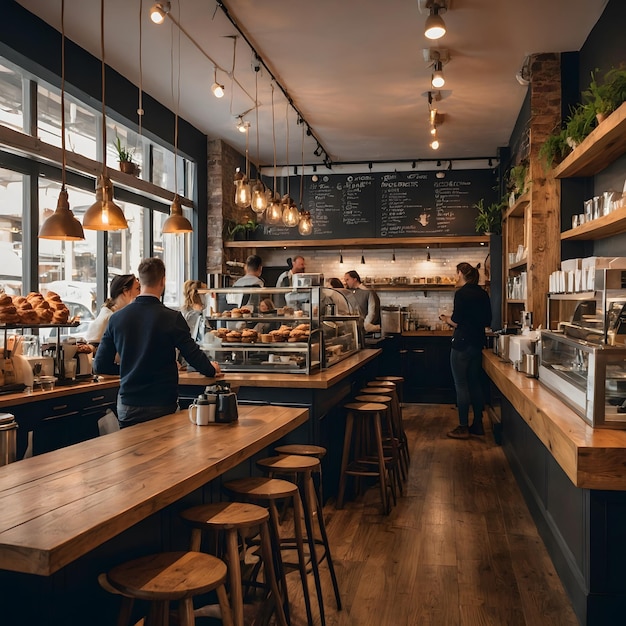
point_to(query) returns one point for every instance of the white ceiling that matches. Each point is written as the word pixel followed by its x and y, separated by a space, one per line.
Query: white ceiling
pixel 353 68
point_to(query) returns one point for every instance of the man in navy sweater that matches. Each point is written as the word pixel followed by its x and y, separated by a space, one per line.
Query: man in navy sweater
pixel 145 334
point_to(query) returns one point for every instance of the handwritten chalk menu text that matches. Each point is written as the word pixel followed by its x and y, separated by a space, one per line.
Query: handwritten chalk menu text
pixel 397 204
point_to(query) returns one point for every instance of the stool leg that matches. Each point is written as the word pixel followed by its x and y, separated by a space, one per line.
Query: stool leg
pixel 312 497
pixel 222 598
pixel 344 460
pixel 278 563
pixel 270 575
pixel 123 619
pixel 308 519
pixel 297 523
pixel 185 612
pixel 381 463
pixel 234 569
pixel 196 540
pixel 159 614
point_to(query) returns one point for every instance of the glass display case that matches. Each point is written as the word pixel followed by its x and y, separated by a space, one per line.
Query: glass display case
pixel 590 378
pixel 286 330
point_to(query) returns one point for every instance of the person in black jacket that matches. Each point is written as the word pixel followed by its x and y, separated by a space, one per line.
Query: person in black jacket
pixel 145 334
pixel 470 316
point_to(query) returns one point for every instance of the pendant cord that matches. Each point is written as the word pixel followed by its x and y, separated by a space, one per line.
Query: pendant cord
pixel 274 137
pixel 140 103
pixel 63 161
pixel 104 123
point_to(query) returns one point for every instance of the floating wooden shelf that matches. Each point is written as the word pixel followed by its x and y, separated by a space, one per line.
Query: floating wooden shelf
pixel 606 226
pixel 517 210
pixel 519 264
pixel 599 149
pixel 371 242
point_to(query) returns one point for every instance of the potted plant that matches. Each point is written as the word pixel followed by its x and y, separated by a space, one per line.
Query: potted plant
pixel 240 231
pixel 517 179
pixel 579 124
pixel 607 95
pixel 125 158
pixel 554 148
pixel 489 218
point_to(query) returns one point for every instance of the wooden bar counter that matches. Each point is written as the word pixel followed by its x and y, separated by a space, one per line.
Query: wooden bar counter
pixel 573 478
pixel 59 506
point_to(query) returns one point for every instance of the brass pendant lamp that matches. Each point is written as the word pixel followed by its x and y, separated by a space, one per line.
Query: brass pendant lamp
pixel 104 214
pixel 305 223
pixel 62 224
pixel 290 214
pixel 259 198
pixel 274 212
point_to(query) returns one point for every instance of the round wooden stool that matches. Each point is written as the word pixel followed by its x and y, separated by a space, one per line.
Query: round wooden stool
pixel 369 430
pixel 269 491
pixel 303 467
pixel 230 518
pixel 305 449
pixel 161 578
pixel 390 442
pixel 399 382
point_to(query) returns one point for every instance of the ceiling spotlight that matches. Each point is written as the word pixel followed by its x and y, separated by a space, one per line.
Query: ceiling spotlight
pixel 435 26
pixel 159 11
pixel 393 257
pixel 318 151
pixel 437 80
pixel 490 163
pixel 434 144
pixel 362 260
pixel 440 174
pixel 340 257
pixel 242 126
pixel 428 256
pixel 433 130
pixel 216 88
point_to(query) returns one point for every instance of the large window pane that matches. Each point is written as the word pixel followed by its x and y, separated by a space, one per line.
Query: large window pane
pixel 80 122
pixel 125 249
pixel 11 97
pixel 11 203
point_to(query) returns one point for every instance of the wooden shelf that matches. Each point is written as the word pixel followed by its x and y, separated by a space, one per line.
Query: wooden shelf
pixel 518 209
pixel 612 224
pixel 511 301
pixel 370 242
pixel 605 144
pixel 412 287
pixel 519 264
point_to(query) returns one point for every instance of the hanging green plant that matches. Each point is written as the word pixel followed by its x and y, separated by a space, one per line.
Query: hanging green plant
pixel 553 149
pixel 517 179
pixel 488 218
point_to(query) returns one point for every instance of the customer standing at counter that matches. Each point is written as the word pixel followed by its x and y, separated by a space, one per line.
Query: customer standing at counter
pixel 193 305
pixel 122 290
pixel 146 335
pixel 470 316
pixel 368 301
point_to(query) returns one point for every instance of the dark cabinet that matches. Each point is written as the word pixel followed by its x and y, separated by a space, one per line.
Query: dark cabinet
pixel 425 366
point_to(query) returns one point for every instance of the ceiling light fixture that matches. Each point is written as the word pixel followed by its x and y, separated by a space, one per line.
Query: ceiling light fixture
pixel 435 27
pixel 274 212
pixel 259 192
pixel 340 257
pixel 437 79
pixel 290 215
pixel 362 259
pixel 393 256
pixel 434 144
pixel 158 12
pixel 104 214
pixel 216 88
pixel 318 151
pixel 62 224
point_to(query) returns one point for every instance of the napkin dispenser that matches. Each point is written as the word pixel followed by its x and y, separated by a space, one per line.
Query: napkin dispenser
pixel 519 345
pixel 226 400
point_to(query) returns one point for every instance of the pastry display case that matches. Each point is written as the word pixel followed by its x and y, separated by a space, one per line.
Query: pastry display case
pixel 590 378
pixel 252 329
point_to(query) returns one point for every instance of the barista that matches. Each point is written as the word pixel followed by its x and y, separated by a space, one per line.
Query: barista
pixel 367 299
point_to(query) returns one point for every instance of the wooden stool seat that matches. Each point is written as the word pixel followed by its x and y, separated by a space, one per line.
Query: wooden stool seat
pixel 229 518
pixel 373 398
pixel 269 490
pixel 374 390
pixel 289 464
pixel 357 457
pixel 161 578
pixel 303 449
pixel 399 381
pixel 381 383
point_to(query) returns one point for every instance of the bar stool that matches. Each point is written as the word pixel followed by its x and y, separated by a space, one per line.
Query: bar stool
pixel 261 490
pixel 230 518
pixel 165 577
pixel 397 419
pixel 304 467
pixel 390 442
pixel 399 382
pixel 306 449
pixel 367 416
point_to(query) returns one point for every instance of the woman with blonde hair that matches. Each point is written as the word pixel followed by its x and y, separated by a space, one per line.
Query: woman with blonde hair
pixel 193 305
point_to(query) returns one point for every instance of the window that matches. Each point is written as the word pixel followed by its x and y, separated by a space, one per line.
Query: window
pixel 11 97
pixel 11 202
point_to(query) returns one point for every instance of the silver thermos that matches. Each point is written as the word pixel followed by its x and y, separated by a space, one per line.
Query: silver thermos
pixel 8 438
pixel 531 365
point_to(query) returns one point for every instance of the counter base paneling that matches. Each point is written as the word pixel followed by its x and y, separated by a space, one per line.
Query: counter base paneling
pixel 551 453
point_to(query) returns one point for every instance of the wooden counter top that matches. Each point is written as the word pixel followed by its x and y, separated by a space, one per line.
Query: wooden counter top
pixel 320 380
pixel 58 506
pixel 593 458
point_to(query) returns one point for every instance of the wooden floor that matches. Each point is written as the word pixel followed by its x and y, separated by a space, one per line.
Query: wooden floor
pixel 460 548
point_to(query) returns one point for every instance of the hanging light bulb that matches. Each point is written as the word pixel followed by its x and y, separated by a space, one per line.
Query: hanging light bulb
pixel 305 226
pixel 274 212
pixel 159 11
pixel 243 193
pixel 216 88
pixel 62 224
pixel 435 27
pixel 104 214
pixel 290 214
pixel 437 79
pixel 176 223
pixel 259 197
pixel 434 144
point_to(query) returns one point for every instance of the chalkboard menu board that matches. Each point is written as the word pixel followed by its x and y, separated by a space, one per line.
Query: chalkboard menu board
pixel 398 204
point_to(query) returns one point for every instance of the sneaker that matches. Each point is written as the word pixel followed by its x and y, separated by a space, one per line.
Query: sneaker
pixel 460 432
pixel 477 429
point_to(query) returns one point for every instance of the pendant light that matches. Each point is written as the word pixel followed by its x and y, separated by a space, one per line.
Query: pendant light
pixel 290 213
pixel 176 223
pixel 104 214
pixel 243 192
pixel 62 224
pixel 305 225
pixel 274 212
pixel 258 202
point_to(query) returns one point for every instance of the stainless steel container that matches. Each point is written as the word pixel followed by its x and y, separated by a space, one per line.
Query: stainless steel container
pixel 531 365
pixel 8 438
pixel 391 320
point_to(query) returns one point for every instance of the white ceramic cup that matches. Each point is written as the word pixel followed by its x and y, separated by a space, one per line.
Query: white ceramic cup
pixel 200 412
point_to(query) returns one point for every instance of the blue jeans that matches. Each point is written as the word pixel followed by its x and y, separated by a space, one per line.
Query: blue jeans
pixel 130 415
pixel 467 370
